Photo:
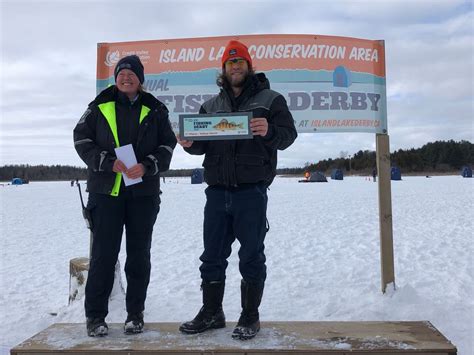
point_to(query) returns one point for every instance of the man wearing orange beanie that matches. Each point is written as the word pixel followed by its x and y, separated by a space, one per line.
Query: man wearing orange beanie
pixel 238 173
pixel 236 49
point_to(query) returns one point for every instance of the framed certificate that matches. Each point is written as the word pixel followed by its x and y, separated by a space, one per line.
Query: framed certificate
pixel 215 126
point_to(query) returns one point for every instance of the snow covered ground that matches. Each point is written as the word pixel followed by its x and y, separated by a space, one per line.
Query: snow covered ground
pixel 322 251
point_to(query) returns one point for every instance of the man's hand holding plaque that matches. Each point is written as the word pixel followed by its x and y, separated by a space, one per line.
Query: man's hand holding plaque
pixel 259 126
pixel 184 143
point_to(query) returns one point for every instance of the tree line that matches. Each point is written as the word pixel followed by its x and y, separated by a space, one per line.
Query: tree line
pixel 435 157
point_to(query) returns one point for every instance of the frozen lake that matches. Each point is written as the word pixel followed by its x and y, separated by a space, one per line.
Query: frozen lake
pixel 322 252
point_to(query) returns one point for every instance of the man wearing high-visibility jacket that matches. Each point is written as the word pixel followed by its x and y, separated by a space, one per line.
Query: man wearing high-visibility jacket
pixel 122 114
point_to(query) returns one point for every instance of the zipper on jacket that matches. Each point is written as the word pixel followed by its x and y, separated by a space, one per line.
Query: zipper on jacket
pixel 233 176
pixel 141 131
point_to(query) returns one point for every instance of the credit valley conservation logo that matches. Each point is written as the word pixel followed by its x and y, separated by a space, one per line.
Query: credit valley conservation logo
pixel 111 58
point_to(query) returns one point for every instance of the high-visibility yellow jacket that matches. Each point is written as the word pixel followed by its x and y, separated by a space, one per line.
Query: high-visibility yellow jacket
pixel 96 136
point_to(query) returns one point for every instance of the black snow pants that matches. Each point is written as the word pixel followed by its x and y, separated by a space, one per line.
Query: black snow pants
pixel 109 216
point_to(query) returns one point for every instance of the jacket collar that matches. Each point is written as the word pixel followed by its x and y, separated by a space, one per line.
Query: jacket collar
pixel 112 94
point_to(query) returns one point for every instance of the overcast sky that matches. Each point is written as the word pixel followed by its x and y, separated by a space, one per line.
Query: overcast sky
pixel 48 64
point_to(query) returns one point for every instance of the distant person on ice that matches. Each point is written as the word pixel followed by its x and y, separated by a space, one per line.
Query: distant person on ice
pixel 122 114
pixel 238 173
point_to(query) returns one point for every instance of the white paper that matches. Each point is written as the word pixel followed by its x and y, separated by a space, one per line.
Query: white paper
pixel 127 156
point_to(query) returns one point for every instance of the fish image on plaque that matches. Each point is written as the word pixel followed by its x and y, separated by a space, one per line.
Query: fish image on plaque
pixel 226 125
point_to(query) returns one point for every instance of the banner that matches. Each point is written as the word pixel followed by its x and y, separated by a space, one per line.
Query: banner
pixel 331 84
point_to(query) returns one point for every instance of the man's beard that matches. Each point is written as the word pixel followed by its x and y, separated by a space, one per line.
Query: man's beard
pixel 237 82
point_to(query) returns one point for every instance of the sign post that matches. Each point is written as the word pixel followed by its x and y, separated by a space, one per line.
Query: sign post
pixel 385 211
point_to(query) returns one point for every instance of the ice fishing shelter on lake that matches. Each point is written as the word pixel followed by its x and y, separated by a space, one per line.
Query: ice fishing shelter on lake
pixel 396 173
pixel 17 181
pixel 466 172
pixel 197 176
pixel 337 174
pixel 316 176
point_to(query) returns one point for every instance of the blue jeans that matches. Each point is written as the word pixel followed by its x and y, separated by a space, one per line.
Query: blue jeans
pixel 230 213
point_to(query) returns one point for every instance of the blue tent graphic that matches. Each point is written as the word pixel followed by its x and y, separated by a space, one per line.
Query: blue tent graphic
pixel 342 77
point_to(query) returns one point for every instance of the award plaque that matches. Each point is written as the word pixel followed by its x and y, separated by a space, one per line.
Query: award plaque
pixel 215 126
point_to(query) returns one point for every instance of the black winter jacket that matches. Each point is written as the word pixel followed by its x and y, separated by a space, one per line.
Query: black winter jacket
pixel 153 141
pixel 243 161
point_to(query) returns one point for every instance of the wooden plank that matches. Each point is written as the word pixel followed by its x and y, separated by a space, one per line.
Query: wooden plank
pixel 284 338
pixel 385 210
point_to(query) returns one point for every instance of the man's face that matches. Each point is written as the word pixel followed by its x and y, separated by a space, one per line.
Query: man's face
pixel 236 71
pixel 127 82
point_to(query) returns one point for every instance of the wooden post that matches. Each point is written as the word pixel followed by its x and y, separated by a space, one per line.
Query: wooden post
pixel 78 270
pixel 385 210
pixel 78 273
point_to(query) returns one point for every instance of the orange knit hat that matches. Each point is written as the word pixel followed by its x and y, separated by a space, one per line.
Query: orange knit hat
pixel 236 49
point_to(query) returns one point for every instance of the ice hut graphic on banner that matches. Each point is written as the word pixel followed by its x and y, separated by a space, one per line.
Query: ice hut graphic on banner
pixel 341 77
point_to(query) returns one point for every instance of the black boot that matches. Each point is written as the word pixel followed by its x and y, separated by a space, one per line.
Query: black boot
pixel 249 321
pixel 211 315
pixel 96 327
pixel 134 323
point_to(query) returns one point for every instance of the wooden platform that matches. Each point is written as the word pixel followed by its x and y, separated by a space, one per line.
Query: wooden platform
pixel 282 338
